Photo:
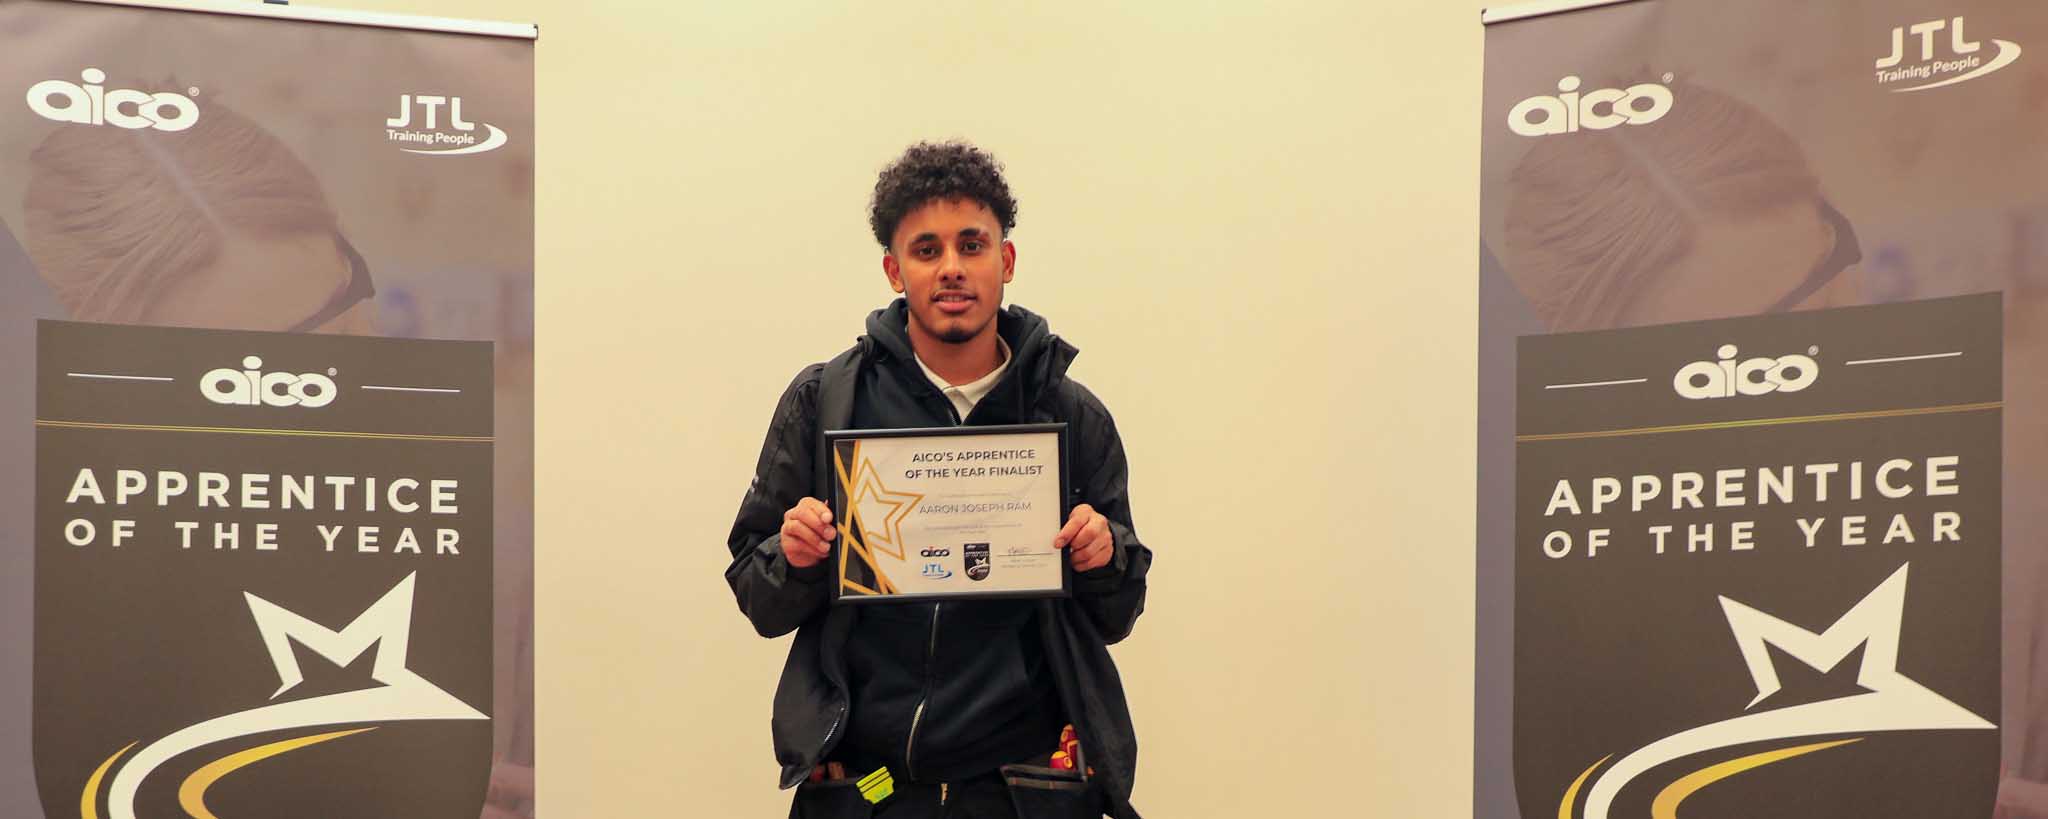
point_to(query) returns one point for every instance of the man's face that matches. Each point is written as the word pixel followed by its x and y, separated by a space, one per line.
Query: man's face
pixel 950 262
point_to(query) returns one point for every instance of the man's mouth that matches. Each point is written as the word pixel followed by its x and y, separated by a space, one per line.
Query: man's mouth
pixel 954 303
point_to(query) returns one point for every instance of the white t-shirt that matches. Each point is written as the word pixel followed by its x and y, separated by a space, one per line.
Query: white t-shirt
pixel 965 396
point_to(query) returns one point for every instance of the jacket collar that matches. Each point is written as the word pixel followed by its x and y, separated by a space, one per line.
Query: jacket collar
pixel 1038 358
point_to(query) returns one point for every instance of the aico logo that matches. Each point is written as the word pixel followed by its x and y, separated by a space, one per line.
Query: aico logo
pixel 1758 376
pixel 455 136
pixel 935 552
pixel 251 387
pixel 1960 62
pixel 93 104
pixel 1596 110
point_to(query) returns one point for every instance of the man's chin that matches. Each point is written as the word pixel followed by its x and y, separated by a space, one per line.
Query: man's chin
pixel 951 330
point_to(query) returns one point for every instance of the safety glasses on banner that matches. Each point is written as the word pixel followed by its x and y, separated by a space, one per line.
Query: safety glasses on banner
pixel 358 289
pixel 1846 252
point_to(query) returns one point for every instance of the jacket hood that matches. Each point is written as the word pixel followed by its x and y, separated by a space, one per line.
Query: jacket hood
pixel 1037 356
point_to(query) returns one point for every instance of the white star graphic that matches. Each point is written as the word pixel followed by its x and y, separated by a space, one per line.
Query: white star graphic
pixel 404 696
pixel 1894 702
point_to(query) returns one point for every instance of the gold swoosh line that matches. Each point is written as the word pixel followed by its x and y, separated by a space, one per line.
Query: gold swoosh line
pixel 1666 804
pixel 1761 422
pixel 846 542
pixel 850 543
pixel 192 794
pixel 839 465
pixel 89 804
pixel 299 433
pixel 1571 794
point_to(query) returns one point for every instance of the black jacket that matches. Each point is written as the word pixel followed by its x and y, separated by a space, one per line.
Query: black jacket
pixel 811 701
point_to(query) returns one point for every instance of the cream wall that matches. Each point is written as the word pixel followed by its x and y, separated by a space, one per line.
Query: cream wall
pixel 1258 222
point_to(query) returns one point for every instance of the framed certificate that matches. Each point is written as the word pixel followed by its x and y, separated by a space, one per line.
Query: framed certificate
pixel 949 512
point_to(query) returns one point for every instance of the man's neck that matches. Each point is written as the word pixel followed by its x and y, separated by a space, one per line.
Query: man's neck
pixel 958 362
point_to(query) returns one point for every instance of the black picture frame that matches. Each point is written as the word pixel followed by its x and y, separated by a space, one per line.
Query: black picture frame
pixel 838 505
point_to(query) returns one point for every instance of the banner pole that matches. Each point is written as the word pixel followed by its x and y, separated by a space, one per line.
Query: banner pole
pixel 315 14
pixel 1540 8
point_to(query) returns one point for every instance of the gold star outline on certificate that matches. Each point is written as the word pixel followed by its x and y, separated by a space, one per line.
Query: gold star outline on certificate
pixel 893 506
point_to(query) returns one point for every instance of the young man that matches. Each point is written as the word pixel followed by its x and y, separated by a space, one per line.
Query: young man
pixel 963 703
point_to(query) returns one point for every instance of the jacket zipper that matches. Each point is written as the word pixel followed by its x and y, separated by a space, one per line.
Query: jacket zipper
pixel 931 648
pixel 825 747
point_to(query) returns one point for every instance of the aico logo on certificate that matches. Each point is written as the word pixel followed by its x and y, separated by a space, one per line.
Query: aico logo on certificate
pixel 93 104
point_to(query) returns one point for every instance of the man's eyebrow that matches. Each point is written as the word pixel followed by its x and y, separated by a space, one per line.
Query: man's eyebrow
pixel 972 232
pixel 927 236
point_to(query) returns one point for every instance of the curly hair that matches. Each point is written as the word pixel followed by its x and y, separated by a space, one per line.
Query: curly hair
pixel 944 170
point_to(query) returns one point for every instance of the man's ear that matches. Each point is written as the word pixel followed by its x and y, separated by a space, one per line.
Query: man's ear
pixel 893 271
pixel 1009 260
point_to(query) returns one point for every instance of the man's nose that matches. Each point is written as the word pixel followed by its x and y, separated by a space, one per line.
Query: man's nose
pixel 951 266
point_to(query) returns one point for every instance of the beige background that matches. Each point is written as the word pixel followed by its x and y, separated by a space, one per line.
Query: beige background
pixel 1259 224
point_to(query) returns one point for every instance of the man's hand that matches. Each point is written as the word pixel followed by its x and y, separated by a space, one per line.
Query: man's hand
pixel 807 532
pixel 1086 538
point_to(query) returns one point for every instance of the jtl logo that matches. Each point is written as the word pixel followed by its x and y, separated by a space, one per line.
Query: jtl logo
pixel 1961 55
pixel 1726 378
pixel 431 105
pixel 252 387
pixel 456 136
pixel 1596 110
pixel 93 104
